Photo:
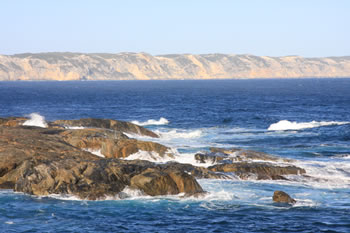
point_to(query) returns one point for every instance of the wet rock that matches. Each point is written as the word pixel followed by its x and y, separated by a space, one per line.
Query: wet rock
pixel 154 181
pixel 41 161
pixel 198 172
pixel 282 197
pixel 208 158
pixel 120 126
pixel 112 144
pixel 261 171
pixel 12 121
pixel 237 154
pixel 93 139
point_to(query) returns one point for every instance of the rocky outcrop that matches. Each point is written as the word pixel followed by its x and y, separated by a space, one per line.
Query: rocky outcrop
pixel 55 160
pixel 111 143
pixel 282 197
pixel 135 66
pixel 165 182
pixel 238 154
pixel 120 126
pixel 12 121
pixel 257 170
pixel 41 161
pixel 248 164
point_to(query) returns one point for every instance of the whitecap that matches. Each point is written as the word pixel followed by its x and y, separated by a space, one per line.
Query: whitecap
pixel 325 175
pixel 149 156
pixel 74 127
pixel 292 125
pixel 36 120
pixel 179 133
pixel 9 222
pixel 161 121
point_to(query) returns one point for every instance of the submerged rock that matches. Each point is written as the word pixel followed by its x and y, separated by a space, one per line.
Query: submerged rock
pixel 282 197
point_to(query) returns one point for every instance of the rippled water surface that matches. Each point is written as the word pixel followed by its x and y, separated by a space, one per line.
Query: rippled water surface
pixel 307 120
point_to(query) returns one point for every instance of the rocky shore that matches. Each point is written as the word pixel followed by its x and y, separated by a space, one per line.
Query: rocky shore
pixel 88 158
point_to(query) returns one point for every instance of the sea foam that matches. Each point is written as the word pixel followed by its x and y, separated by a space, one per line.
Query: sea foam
pixel 161 121
pixel 292 125
pixel 36 120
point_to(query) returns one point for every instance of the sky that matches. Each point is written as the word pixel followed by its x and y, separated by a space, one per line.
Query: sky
pixel 310 28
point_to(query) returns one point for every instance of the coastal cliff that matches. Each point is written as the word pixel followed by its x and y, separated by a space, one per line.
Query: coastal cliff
pixel 143 66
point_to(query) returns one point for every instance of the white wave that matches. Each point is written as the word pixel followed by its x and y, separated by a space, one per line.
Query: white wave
pixel 172 155
pixel 149 156
pixel 305 203
pixel 9 222
pixel 36 120
pixel 292 125
pixel 74 127
pixel 179 138
pixel 161 121
pixel 324 174
pixel 178 133
pixel 131 193
pixel 95 152
pixel 65 197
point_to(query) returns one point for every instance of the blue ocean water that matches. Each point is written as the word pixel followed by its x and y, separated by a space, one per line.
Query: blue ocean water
pixel 313 127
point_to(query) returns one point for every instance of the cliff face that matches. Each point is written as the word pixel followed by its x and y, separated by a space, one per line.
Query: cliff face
pixel 133 66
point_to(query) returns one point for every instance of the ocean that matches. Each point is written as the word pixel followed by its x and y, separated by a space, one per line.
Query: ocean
pixel 303 119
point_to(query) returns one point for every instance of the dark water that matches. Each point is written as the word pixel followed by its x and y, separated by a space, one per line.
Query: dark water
pixel 202 114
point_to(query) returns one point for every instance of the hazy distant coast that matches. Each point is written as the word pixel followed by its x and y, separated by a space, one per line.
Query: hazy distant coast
pixel 143 66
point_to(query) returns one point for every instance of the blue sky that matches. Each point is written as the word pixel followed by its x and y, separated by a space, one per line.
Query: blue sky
pixel 308 28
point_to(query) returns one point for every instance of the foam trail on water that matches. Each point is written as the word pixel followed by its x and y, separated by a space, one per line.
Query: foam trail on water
pixel 36 120
pixel 292 125
pixel 161 121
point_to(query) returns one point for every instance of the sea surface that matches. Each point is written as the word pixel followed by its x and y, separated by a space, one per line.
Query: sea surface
pixel 304 119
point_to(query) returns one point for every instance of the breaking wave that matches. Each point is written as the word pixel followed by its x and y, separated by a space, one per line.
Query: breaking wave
pixel 178 133
pixel 36 120
pixel 161 121
pixel 292 125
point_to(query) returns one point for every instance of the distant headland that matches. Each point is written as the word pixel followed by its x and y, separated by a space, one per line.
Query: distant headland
pixel 143 66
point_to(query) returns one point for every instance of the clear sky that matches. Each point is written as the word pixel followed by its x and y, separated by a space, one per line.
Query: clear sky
pixel 308 28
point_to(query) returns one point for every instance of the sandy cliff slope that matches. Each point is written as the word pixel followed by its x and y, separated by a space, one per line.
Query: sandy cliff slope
pixel 134 66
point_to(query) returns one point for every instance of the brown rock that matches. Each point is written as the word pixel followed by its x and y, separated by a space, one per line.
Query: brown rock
pixel 156 182
pixel 120 126
pixel 40 162
pixel 238 154
pixel 112 144
pixel 208 158
pixel 262 171
pixel 198 172
pixel 282 197
pixel 12 121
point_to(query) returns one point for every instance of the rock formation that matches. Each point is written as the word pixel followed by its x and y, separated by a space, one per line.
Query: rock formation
pixel 282 197
pixel 136 66
pixel 57 160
